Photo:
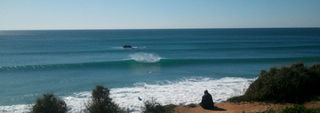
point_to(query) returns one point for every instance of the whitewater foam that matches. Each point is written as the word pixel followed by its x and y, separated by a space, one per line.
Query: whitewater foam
pixel 186 91
pixel 145 57
pixel 21 108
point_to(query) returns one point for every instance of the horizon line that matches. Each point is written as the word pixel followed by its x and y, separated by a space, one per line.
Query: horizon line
pixel 153 28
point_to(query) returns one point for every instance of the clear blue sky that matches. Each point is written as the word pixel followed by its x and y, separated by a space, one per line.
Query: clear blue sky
pixel 142 14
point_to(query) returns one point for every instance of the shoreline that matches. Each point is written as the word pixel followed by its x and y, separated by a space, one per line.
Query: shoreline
pixel 184 91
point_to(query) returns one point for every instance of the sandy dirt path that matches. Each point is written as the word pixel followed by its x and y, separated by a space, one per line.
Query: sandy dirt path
pixel 248 107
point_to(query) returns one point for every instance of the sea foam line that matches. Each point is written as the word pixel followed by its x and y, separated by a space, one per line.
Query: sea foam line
pixel 145 57
pixel 182 92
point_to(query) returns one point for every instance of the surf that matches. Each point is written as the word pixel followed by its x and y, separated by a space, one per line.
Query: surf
pixel 147 59
pixel 181 92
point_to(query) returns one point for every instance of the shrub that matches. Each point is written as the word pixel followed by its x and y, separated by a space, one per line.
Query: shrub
pixel 294 84
pixel 192 105
pixel 49 104
pixel 155 107
pixel 296 109
pixel 101 102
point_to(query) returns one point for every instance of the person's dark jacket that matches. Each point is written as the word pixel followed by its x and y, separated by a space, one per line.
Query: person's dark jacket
pixel 207 102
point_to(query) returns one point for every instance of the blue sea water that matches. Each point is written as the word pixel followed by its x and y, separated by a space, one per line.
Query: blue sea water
pixel 173 65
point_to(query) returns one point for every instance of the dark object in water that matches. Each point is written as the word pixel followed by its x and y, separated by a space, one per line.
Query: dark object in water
pixel 127 46
pixel 207 102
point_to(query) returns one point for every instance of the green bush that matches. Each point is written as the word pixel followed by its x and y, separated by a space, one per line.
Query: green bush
pixel 49 104
pixel 192 105
pixel 295 109
pixel 294 84
pixel 101 102
pixel 154 107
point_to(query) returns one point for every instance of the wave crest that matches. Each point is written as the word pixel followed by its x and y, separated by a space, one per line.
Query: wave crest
pixel 145 57
pixel 185 91
pixel 152 59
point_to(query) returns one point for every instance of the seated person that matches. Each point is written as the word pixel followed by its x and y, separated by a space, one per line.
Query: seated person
pixel 207 102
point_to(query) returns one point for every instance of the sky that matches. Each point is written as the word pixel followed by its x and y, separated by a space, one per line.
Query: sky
pixel 157 14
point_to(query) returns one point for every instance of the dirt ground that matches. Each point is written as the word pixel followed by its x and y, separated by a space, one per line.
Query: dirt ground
pixel 228 107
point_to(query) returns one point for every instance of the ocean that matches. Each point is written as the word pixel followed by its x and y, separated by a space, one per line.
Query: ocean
pixel 168 65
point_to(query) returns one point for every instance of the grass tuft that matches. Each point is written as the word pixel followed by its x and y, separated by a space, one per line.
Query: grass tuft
pixel 155 107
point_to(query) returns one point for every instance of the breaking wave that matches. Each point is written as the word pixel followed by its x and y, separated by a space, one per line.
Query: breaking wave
pixel 148 59
pixel 186 91
pixel 145 57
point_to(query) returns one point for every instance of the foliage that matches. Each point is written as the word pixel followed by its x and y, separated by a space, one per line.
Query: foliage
pixel 294 84
pixel 155 107
pixel 101 102
pixel 269 111
pixel 295 109
pixel 49 104
pixel 299 109
pixel 192 105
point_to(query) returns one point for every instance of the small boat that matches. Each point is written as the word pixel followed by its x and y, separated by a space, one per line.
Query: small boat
pixel 127 46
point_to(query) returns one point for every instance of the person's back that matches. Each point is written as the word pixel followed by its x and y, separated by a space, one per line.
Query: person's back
pixel 207 102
